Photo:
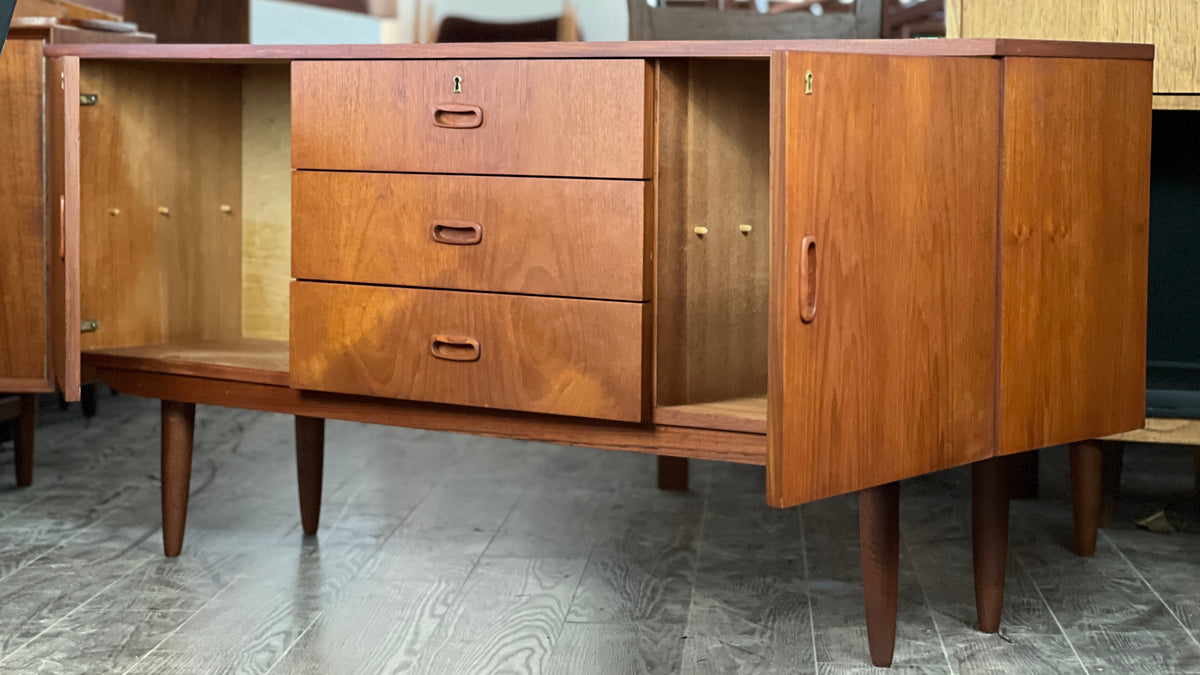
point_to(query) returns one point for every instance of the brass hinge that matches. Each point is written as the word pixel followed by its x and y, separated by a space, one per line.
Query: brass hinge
pixel 89 99
pixel 89 326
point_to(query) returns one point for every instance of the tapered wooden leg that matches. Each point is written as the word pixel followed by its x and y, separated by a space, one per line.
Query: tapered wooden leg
pixel 1087 469
pixel 23 440
pixel 178 425
pixel 990 483
pixel 310 464
pixel 672 473
pixel 879 542
pixel 1024 471
pixel 1112 460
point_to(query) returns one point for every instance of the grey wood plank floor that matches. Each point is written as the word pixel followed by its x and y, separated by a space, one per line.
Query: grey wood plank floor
pixel 442 553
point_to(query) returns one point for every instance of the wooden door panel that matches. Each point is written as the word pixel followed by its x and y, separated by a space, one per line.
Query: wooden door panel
pixel 883 269
pixel 22 220
pixel 62 152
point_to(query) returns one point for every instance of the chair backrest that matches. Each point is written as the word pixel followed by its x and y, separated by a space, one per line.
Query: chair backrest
pixel 456 29
pixel 699 23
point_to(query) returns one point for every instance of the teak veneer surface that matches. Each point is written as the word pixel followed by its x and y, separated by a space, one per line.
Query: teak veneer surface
pixel 674 441
pixel 584 118
pixel 538 236
pixel 22 227
pixel 561 356
pixel 241 359
pixel 610 50
pixel 1074 246
pixel 895 374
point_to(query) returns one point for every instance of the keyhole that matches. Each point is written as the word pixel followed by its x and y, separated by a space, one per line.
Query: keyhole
pixel 457 84
pixel 808 78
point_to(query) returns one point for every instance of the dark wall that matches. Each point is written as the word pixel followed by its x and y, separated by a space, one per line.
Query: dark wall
pixel 192 21
pixel 1174 303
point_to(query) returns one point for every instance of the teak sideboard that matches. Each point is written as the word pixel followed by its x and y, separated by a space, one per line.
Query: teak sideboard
pixel 852 261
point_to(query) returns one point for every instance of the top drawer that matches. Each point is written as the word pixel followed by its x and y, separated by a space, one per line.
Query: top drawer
pixel 582 118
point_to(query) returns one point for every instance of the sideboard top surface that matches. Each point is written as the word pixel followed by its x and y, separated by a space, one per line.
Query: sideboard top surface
pixel 980 47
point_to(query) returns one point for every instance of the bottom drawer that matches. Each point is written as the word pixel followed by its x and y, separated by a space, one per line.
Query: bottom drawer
pixel 586 358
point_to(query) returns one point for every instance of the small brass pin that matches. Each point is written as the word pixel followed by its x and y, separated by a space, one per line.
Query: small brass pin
pixel 164 211
pixel 225 208
pixel 745 229
pixel 700 230
pixel 114 212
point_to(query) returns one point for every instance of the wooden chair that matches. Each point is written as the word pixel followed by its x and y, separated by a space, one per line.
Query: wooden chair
pixel 704 22
pixel 22 409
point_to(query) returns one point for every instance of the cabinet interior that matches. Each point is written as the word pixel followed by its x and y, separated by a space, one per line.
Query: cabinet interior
pixel 185 203
pixel 713 173
pixel 186 222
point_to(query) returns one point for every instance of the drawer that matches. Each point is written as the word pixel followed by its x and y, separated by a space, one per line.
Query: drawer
pixel 539 236
pixel 587 358
pixel 586 118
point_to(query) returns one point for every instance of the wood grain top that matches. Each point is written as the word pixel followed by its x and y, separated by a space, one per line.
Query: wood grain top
pixel 239 359
pixel 986 47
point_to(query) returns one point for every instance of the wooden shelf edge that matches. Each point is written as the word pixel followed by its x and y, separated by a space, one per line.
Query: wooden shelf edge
pixel 743 415
pixel 241 359
pixel 675 441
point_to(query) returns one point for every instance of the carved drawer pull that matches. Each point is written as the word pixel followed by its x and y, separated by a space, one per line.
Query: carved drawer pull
pixel 453 348
pixel 456 232
pixel 457 116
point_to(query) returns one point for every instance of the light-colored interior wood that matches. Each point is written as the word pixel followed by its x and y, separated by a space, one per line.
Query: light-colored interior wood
pixel 186 194
pixel 748 414
pixel 1173 26
pixel 713 173
pixel 1163 430
pixel 160 157
pixel 266 200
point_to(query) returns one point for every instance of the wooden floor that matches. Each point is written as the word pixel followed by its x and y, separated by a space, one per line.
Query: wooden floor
pixel 451 554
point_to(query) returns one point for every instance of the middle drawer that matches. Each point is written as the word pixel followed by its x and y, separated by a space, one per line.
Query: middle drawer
pixel 541 236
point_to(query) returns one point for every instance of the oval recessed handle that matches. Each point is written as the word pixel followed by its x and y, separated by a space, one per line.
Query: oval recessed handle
pixel 454 348
pixel 808 278
pixel 456 232
pixel 457 115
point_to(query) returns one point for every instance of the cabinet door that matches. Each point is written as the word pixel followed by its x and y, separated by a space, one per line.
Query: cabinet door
pixel 883 269
pixel 62 208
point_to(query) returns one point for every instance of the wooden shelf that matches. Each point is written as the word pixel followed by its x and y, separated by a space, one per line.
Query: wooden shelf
pixel 241 359
pixel 747 415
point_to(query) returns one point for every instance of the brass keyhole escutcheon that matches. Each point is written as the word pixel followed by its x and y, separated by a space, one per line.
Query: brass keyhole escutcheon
pixel 457 84
pixel 808 79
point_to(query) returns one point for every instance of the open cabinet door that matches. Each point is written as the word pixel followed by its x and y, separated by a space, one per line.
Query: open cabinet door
pixel 62 209
pixel 883 243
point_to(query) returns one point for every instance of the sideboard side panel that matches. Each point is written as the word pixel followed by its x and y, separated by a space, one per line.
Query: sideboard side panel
pixel 22 219
pixel 890 166
pixel 1074 247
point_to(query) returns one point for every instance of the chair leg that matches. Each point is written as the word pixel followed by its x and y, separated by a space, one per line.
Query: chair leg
pixel 991 480
pixel 1112 461
pixel 1087 470
pixel 23 441
pixel 310 463
pixel 178 426
pixel 672 473
pixel 879 543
